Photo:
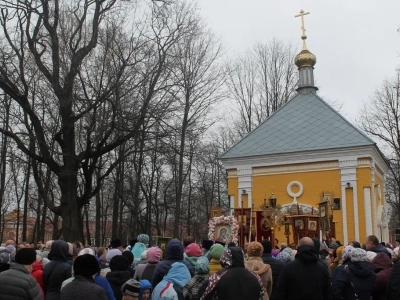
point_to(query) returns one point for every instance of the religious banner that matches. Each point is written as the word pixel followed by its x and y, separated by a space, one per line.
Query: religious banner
pixel 263 225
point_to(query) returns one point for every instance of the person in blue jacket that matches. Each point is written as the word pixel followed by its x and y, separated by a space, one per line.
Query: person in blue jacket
pixel 145 289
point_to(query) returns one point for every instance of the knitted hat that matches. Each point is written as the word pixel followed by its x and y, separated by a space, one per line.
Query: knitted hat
pixel 154 255
pixel 119 263
pixel 131 288
pixel 216 251
pixel 255 249
pixel 284 257
pixel 116 243
pixel 129 256
pixel 206 244
pixel 371 255
pixel 144 255
pixel 86 265
pixel 193 250
pixel 333 245
pixel 25 256
pixel 4 257
pixel 347 252
pixel 143 238
pixel 11 249
pixel 87 251
pixel 111 253
pixel 358 254
pixel 202 266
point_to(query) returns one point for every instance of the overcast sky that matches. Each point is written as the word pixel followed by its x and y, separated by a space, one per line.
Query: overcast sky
pixel 356 41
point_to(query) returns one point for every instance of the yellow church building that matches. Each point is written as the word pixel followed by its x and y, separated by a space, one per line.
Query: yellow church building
pixel 327 177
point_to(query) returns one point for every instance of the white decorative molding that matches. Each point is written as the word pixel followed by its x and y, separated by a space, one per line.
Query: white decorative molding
pixel 344 216
pixel 368 212
pixel 362 162
pixel 232 202
pixel 304 208
pixel 294 195
pixel 356 220
pixel 299 167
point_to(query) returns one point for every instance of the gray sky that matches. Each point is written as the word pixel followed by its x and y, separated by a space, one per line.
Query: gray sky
pixel 356 41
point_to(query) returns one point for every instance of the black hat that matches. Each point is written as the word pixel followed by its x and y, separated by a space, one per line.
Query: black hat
pixel 132 242
pixel 86 265
pixel 25 256
pixel 119 263
pixel 129 256
pixel 116 243
pixel 206 244
pixel 221 243
pixel 231 244
pixel 131 288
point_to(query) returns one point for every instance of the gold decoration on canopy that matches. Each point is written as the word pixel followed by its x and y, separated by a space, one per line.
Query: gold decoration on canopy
pixel 305 58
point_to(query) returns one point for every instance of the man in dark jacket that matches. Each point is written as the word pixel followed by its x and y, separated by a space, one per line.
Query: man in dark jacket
pixel 393 288
pixel 276 265
pixel 83 286
pixel 234 281
pixel 118 275
pixel 16 283
pixel 305 277
pixel 57 270
pixel 174 253
pixel 372 244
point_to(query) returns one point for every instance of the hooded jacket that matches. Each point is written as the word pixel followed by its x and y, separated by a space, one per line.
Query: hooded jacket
pixel 145 285
pixel 234 282
pixel 174 253
pixel 57 270
pixel 382 266
pixel 256 265
pixel 170 288
pixel 116 280
pixel 358 274
pixel 305 271
pixel 37 273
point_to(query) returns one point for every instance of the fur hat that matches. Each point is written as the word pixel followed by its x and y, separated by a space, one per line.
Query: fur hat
pixel 87 251
pixel 255 249
pixel 116 243
pixel 216 251
pixel 358 254
pixel 131 288
pixel 202 266
pixel 154 255
pixel 86 265
pixel 206 244
pixel 25 256
pixel 119 263
pixel 143 238
pixel 111 253
pixel 193 250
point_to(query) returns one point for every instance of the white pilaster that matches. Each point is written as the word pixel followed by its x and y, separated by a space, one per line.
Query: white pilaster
pixel 232 203
pixel 368 212
pixel 245 183
pixel 344 216
pixel 355 207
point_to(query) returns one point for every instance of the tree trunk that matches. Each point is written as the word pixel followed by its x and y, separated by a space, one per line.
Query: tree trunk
pixel 88 239
pixel 25 215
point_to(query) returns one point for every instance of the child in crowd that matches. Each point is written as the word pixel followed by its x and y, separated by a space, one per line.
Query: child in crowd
pixel 145 289
pixel 130 290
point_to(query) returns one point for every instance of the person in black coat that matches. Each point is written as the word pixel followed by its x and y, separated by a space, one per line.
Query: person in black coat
pixel 57 270
pixel 118 275
pixel 393 288
pixel 83 286
pixel 174 253
pixel 276 265
pixel 357 278
pixel 305 277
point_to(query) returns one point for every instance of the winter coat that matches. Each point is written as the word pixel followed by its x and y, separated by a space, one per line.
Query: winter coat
pixel 393 288
pixel 234 282
pixel 256 265
pixel 83 288
pixel 304 278
pixel 145 271
pixel 100 281
pixel 276 267
pixel 382 266
pixel 57 270
pixel 195 288
pixel 116 280
pixel 170 288
pixel 37 273
pixel 191 260
pixel 16 283
pixel 174 253
pixel 358 274
pixel 215 266
pixel 380 248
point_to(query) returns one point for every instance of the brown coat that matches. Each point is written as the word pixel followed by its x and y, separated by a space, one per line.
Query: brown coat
pixel 257 265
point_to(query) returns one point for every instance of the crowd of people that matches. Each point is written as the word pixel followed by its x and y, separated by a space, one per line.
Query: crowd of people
pixel 311 269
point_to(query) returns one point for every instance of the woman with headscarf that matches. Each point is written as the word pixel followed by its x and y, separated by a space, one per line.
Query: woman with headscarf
pixel 139 247
pixel 284 257
pixel 234 282
pixel 255 264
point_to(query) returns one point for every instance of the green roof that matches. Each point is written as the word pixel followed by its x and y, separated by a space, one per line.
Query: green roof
pixel 304 123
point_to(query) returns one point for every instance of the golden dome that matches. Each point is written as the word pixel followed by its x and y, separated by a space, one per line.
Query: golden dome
pixel 305 59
